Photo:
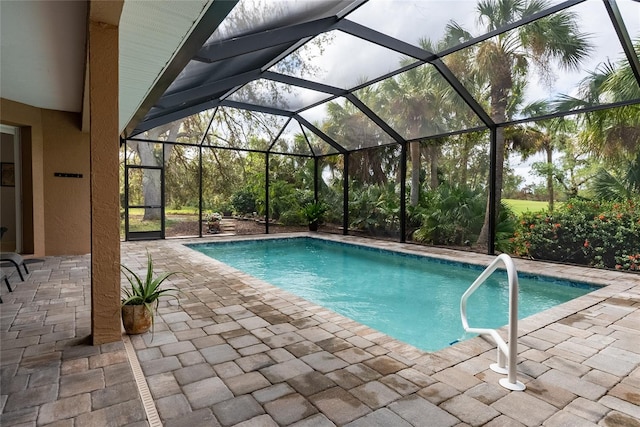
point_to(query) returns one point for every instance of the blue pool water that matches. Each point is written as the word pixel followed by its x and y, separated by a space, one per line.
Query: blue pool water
pixel 414 299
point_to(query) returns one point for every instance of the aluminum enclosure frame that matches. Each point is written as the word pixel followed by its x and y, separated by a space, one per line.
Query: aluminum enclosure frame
pixel 270 45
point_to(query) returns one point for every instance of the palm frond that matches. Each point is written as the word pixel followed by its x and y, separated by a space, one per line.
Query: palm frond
pixel 455 34
pixel 608 187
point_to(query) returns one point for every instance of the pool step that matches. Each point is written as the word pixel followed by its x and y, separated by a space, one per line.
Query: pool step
pixel 228 226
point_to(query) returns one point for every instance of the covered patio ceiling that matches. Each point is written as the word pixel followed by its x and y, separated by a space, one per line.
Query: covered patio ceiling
pixel 288 62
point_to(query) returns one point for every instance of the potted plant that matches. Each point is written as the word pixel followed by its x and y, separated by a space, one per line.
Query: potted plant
pixel 140 302
pixel 314 212
pixel 213 222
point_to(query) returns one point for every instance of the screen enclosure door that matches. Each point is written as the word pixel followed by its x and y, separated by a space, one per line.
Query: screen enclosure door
pixel 144 213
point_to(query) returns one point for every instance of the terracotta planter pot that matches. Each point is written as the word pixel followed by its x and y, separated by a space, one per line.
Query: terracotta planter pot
pixel 313 226
pixel 136 319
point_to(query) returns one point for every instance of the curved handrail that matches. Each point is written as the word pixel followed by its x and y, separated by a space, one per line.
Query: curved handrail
pixel 511 349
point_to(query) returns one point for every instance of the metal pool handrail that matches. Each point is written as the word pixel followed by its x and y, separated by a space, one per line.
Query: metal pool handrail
pixel 510 351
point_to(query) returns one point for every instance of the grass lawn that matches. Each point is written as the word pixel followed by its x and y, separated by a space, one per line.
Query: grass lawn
pixel 520 206
pixel 167 211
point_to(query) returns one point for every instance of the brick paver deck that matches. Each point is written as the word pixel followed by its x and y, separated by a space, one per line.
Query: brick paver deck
pixel 235 351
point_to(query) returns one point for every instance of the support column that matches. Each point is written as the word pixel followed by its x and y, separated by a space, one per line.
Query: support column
pixel 345 195
pixel 266 193
pixel 491 241
pixel 200 188
pixel 105 218
pixel 403 194
pixel 315 179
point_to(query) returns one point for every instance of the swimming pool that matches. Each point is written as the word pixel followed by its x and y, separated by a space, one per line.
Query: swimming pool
pixel 412 298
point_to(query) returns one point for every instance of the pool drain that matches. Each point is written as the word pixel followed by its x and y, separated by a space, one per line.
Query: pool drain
pixel 143 388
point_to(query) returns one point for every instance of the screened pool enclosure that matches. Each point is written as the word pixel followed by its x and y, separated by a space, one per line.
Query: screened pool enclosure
pixel 425 121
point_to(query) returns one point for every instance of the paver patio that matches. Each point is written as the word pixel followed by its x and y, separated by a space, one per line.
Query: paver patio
pixel 238 351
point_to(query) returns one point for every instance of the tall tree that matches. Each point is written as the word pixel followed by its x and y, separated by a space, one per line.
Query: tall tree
pixel 151 154
pixel 610 134
pixel 190 129
pixel 420 103
pixel 349 127
pixel 505 60
pixel 546 136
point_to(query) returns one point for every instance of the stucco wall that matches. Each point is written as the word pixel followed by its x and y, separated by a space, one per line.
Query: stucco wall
pixel 60 206
pixel 66 200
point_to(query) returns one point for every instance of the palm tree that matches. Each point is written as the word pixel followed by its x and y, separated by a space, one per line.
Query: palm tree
pixel 611 134
pixel 608 186
pixel 505 60
pixel 408 107
pixel 545 137
pixel 420 103
pixel 348 126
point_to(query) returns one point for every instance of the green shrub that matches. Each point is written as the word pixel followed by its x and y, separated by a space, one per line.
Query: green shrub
pixel 224 206
pixel 293 217
pixel 243 202
pixel 505 226
pixel 600 234
pixel 375 209
pixel 628 262
pixel 453 215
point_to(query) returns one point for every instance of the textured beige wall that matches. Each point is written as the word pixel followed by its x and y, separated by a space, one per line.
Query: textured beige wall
pixel 59 206
pixel 66 200
pixel 105 215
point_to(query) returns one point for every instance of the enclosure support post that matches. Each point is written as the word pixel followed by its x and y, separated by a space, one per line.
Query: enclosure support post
pixel 403 191
pixel 315 179
pixel 126 193
pixel 163 199
pixel 345 195
pixel 200 192
pixel 266 193
pixel 491 240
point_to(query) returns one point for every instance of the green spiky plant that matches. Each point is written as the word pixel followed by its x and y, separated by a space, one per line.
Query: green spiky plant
pixel 314 212
pixel 146 292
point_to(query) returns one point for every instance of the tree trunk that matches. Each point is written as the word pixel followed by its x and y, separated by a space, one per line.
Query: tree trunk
pixel 433 166
pixel 151 185
pixel 376 167
pixel 483 238
pixel 464 161
pixel 500 83
pixel 549 151
pixel 415 173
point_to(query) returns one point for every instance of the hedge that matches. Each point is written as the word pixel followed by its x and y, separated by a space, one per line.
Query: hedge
pixel 596 233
